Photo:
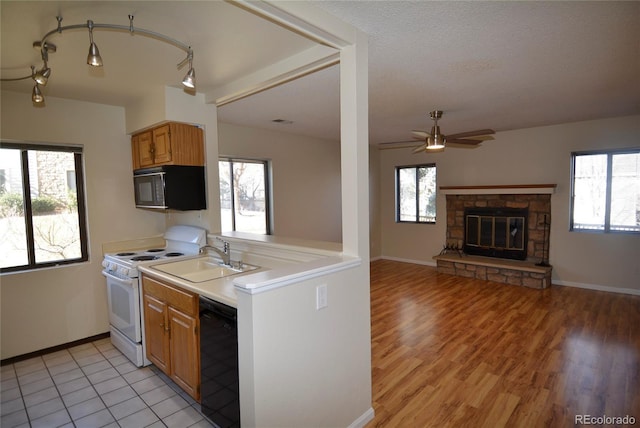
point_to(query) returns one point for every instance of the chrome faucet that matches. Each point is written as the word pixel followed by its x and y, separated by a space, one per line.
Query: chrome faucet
pixel 225 253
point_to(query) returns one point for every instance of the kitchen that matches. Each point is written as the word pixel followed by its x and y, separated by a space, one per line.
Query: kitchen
pixel 603 262
pixel 73 309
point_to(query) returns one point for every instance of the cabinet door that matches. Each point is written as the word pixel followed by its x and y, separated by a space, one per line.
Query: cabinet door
pixel 145 149
pixel 185 352
pixel 157 333
pixel 135 155
pixel 162 144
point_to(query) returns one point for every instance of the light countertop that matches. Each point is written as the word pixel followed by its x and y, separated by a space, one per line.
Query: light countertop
pixel 263 279
pixel 221 290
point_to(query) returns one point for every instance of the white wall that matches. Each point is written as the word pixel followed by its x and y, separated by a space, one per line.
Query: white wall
pixel 50 307
pixel 527 156
pixel 302 367
pixel 375 234
pixel 306 179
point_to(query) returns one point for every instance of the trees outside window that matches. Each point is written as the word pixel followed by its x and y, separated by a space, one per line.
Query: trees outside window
pixel 416 194
pixel 244 195
pixel 42 213
pixel 605 192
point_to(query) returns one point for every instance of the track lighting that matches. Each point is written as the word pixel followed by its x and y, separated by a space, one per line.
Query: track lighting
pixel 94 59
pixel 36 95
pixel 42 76
pixel 189 80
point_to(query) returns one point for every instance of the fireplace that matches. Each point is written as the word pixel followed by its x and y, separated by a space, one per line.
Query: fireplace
pixel 499 233
pixel 496 232
pixel 534 207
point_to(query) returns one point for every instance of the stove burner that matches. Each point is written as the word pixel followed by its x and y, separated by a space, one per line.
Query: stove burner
pixel 143 258
pixel 155 250
pixel 174 254
pixel 125 254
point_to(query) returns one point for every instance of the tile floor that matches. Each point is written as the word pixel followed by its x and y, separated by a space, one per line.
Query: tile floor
pixel 92 385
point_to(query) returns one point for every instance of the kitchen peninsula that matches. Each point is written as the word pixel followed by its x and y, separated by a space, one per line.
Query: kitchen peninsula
pixel 284 332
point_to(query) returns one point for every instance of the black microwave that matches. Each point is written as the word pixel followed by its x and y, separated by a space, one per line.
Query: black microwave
pixel 174 187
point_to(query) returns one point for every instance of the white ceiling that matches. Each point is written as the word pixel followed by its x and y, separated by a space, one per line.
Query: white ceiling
pixel 502 65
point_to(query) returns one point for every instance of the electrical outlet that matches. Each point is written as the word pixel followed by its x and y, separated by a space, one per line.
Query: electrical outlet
pixel 321 297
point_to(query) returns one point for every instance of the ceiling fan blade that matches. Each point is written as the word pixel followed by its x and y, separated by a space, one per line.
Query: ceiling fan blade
pixel 397 145
pixel 472 133
pixel 479 138
pixel 462 146
pixel 420 134
pixel 420 148
pixel 463 141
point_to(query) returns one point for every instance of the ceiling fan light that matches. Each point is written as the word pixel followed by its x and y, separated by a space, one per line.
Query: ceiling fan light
pixel 189 80
pixel 36 95
pixel 436 142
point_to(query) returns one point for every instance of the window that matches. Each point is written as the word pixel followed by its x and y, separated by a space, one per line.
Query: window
pixel 42 219
pixel 244 195
pixel 416 193
pixel 606 191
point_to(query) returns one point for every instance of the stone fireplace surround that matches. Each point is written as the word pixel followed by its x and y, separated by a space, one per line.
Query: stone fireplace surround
pixel 535 197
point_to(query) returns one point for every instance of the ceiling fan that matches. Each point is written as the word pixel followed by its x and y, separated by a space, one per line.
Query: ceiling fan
pixel 435 140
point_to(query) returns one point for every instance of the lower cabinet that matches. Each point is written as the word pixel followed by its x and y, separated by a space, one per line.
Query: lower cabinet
pixel 171 332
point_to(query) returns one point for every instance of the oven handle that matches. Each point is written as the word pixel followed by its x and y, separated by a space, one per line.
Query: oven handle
pixel 130 281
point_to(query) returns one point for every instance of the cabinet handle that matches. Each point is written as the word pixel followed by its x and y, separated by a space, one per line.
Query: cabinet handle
pixel 164 327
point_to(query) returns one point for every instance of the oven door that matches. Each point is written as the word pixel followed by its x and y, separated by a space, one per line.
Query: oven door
pixel 124 305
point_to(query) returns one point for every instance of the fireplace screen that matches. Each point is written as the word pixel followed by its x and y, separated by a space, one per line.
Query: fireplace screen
pixel 496 233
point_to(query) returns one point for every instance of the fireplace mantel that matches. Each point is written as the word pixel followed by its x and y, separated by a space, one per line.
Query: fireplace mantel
pixel 499 189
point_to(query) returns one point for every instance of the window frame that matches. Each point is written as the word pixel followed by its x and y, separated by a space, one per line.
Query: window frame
pixel 267 189
pixel 397 191
pixel 608 191
pixel 78 157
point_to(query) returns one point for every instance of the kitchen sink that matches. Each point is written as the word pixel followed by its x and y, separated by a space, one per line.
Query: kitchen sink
pixel 202 269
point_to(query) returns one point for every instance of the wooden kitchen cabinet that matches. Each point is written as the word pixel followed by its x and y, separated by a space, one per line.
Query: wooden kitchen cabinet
pixel 157 340
pixel 141 149
pixel 171 332
pixel 185 351
pixel 170 144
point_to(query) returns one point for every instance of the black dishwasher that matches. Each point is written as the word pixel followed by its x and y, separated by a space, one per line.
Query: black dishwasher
pixel 219 389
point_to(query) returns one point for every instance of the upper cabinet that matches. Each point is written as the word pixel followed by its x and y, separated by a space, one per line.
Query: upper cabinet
pixel 169 144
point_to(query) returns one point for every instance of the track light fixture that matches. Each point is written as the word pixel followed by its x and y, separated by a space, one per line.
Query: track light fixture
pixel 189 80
pixel 36 95
pixel 93 59
pixel 41 77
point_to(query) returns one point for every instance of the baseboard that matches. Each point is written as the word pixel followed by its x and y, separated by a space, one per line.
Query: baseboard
pixel 597 287
pixel 415 262
pixel 41 352
pixel 363 419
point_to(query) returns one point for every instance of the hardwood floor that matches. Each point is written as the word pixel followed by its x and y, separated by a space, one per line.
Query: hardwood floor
pixel 452 351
